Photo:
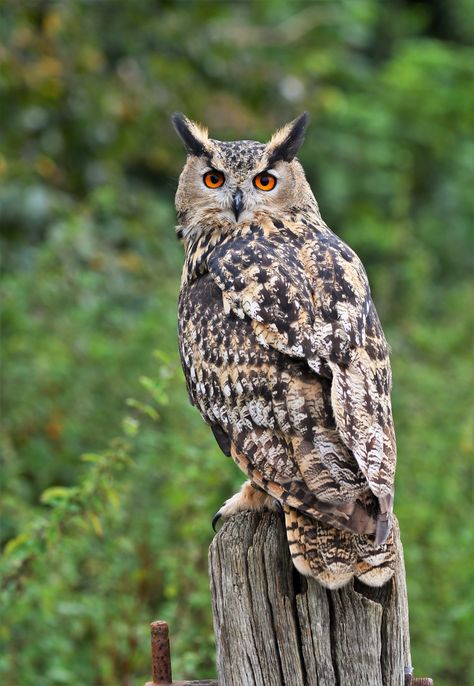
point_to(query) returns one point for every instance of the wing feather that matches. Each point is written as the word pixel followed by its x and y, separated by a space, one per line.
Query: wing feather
pixel 307 296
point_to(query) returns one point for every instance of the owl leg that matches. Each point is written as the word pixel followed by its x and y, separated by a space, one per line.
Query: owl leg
pixel 250 497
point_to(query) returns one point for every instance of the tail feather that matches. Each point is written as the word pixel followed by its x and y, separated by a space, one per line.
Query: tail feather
pixel 334 556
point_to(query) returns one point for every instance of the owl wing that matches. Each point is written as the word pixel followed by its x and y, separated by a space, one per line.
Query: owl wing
pixel 309 298
pixel 270 412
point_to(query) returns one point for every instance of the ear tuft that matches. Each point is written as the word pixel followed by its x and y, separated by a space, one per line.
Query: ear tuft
pixel 193 136
pixel 286 142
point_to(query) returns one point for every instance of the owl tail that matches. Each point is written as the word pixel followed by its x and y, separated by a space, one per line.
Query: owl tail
pixel 333 556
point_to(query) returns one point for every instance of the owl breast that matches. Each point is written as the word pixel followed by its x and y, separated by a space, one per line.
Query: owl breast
pixel 231 377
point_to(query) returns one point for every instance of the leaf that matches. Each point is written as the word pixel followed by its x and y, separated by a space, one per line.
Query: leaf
pixel 15 543
pixel 130 426
pixel 162 357
pixel 55 493
pixel 113 498
pixel 144 408
pixel 154 388
pixel 96 524
pixel 91 457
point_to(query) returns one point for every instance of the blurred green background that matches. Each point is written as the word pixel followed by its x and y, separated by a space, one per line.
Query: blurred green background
pixel 109 478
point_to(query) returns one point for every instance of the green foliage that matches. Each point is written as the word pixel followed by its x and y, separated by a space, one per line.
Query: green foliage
pixel 97 547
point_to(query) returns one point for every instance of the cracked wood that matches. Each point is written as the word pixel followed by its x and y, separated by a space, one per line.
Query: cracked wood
pixel 275 627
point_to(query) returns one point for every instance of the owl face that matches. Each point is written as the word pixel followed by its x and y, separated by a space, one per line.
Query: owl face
pixel 224 184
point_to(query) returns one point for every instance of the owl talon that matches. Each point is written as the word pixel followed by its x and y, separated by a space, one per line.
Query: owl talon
pixel 215 519
pixel 249 498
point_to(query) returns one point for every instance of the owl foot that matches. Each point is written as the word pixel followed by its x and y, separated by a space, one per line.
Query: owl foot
pixel 250 497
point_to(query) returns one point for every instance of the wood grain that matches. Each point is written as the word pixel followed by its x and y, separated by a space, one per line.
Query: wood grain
pixel 275 627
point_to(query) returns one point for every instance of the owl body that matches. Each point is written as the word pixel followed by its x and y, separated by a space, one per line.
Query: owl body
pixel 284 355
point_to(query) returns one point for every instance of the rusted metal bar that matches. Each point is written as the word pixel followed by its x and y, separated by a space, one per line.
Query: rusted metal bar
pixel 161 659
pixel 410 680
pixel 160 653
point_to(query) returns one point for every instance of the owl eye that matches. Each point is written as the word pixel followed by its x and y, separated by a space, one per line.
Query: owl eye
pixel 213 178
pixel 265 181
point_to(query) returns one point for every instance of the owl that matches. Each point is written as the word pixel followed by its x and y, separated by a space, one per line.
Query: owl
pixel 283 353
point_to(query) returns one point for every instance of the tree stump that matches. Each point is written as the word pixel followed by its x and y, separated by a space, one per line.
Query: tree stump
pixel 275 627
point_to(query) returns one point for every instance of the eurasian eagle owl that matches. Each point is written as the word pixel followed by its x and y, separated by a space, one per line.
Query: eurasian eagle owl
pixel 283 352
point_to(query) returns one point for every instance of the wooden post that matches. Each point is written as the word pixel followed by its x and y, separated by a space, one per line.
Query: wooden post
pixel 275 627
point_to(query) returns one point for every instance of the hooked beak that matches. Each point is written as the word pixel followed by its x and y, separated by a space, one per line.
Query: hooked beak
pixel 237 203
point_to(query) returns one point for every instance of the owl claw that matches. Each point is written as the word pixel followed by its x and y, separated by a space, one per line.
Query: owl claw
pixel 215 519
pixel 250 498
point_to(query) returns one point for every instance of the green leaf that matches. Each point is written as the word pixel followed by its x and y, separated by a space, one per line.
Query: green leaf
pixel 56 494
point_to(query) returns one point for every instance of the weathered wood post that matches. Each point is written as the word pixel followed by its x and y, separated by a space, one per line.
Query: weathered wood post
pixel 274 627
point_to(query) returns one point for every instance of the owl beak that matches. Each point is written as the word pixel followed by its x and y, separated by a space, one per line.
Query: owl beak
pixel 237 203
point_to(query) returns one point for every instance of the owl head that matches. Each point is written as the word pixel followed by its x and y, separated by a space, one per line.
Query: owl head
pixel 226 183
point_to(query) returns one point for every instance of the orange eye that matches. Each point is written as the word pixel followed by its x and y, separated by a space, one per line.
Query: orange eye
pixel 265 181
pixel 214 178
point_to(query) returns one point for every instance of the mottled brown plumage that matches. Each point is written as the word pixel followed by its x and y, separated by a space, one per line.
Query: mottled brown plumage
pixel 284 355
